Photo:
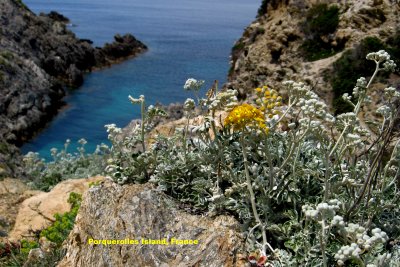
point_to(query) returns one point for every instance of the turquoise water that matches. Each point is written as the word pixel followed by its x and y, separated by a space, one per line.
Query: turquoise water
pixel 186 38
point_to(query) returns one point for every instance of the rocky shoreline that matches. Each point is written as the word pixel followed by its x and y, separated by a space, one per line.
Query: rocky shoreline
pixel 39 59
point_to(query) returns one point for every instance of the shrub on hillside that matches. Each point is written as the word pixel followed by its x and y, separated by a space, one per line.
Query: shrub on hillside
pixel 321 20
pixel 45 175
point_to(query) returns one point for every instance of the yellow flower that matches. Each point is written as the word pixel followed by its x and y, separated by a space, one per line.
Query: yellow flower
pixel 245 115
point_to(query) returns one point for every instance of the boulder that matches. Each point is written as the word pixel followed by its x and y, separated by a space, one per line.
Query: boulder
pixel 37 212
pixel 139 212
pixel 12 193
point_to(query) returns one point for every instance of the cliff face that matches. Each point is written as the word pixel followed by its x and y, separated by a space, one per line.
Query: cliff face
pixel 38 56
pixel 289 35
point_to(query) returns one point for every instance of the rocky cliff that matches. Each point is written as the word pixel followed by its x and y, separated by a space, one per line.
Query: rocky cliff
pixel 303 39
pixel 39 56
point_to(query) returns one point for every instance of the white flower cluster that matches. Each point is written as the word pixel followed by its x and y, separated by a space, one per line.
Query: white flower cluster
pixel 226 100
pixel 391 93
pixel 346 176
pixel 337 221
pixel 354 130
pixel 385 111
pixel 347 119
pixel 53 151
pixel 102 149
pixel 382 56
pixel 136 100
pixel 346 97
pixel 391 96
pixel 361 86
pixel 312 124
pixel 313 109
pixel 353 139
pixel 189 105
pixel 193 84
pixel 361 241
pixel 151 113
pixel 323 210
pixel 82 141
pixel 347 252
pixel 112 131
pixel 309 103
pixel 31 157
pixel 298 90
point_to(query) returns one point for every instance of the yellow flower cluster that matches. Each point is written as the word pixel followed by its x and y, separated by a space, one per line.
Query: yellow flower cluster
pixel 268 100
pixel 246 115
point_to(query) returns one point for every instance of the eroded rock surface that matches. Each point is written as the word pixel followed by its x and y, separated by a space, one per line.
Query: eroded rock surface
pixel 12 193
pixel 111 211
pixel 37 212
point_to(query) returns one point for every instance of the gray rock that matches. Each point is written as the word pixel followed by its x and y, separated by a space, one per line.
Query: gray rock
pixel 115 212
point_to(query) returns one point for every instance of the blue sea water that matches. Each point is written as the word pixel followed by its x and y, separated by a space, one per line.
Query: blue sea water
pixel 186 38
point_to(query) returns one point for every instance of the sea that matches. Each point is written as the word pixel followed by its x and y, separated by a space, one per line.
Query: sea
pixel 186 39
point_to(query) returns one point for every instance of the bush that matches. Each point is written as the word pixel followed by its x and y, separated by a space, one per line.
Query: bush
pixel 264 6
pixel 304 196
pixel 45 175
pixel 64 223
pixel 321 20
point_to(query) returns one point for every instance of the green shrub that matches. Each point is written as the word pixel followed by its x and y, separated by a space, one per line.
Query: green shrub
pixel 316 49
pixel 64 223
pixel 321 20
pixel 262 10
pixel 45 175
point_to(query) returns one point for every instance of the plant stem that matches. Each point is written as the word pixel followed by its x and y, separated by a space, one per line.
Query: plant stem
pixel 322 242
pixel 252 196
pixel 143 125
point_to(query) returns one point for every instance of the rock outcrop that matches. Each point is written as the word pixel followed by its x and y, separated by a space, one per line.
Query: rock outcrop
pixel 39 56
pixel 37 212
pixel 269 51
pixel 12 193
pixel 115 212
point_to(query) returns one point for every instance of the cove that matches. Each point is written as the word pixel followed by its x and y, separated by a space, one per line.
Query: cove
pixel 186 38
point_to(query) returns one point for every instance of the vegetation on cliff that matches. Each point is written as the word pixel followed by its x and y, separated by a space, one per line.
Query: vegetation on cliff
pixel 310 188
pixel 306 197
pixel 320 21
